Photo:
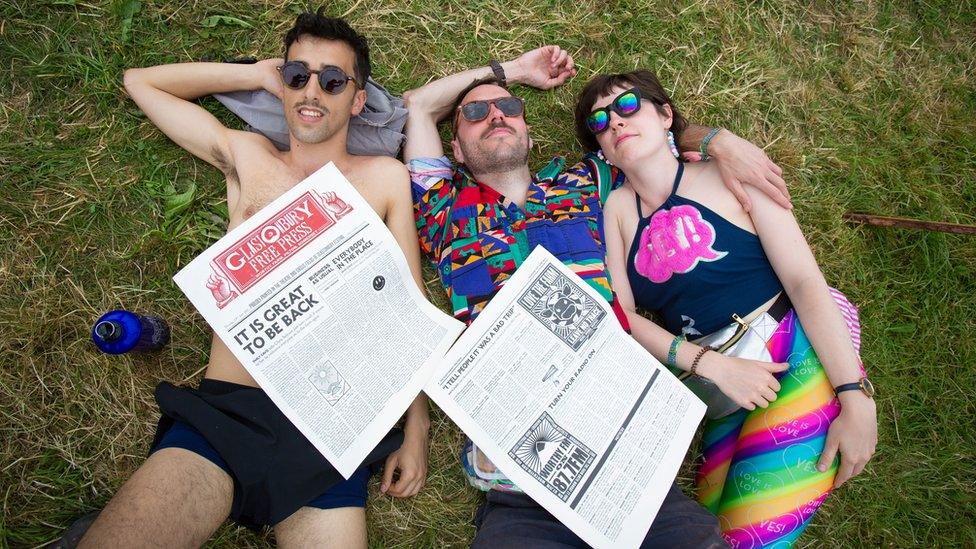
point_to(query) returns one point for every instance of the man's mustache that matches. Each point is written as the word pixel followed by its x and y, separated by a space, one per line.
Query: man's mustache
pixel 494 126
pixel 313 104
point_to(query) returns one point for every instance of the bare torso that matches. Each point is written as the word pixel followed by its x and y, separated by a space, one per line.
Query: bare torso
pixel 261 174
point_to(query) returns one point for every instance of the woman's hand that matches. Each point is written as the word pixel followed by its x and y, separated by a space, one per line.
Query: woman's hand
pixel 854 433
pixel 749 383
pixel 411 461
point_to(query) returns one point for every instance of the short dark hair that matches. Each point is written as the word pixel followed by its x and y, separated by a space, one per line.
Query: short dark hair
pixel 460 97
pixel 332 28
pixel 648 85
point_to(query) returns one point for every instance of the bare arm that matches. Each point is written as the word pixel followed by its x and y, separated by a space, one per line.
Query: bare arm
pixel 166 93
pixel 854 433
pixel 411 459
pixel 740 162
pixel 543 68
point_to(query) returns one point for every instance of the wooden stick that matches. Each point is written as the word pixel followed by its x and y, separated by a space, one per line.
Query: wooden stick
pixel 908 223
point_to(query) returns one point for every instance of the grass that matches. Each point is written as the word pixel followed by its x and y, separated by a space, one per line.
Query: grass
pixel 867 106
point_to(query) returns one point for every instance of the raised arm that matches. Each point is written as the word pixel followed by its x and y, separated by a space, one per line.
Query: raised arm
pixel 739 162
pixel 543 68
pixel 166 93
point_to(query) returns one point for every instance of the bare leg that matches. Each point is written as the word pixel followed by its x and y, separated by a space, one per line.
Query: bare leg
pixel 175 499
pixel 344 527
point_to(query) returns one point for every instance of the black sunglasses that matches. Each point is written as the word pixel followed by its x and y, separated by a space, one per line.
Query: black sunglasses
pixel 332 80
pixel 478 110
pixel 625 104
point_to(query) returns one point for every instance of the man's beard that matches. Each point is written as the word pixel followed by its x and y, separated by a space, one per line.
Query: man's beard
pixel 323 131
pixel 503 158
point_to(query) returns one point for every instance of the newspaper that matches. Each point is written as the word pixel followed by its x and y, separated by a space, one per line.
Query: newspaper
pixel 314 297
pixel 568 405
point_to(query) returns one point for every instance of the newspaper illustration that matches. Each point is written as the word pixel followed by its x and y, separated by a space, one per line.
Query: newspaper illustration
pixel 549 386
pixel 314 297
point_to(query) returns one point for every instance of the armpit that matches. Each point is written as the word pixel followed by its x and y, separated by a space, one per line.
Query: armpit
pixel 224 164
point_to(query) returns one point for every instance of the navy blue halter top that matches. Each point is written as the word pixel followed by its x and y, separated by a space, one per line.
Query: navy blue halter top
pixel 695 268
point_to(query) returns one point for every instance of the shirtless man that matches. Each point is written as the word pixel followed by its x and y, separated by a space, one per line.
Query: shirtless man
pixel 193 481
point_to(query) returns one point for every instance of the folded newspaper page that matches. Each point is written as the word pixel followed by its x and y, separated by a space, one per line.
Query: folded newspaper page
pixel 314 297
pixel 552 389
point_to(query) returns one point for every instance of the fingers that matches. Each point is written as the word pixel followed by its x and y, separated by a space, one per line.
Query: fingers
pixel 775 367
pixel 409 484
pixel 552 51
pixel 829 453
pixel 740 194
pixel 558 59
pixel 768 394
pixel 845 472
pixel 388 469
pixel 778 192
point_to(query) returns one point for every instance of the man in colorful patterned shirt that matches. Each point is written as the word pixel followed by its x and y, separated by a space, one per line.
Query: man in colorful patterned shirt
pixel 479 220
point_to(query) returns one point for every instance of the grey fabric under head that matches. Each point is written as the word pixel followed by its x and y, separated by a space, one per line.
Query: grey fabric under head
pixel 377 130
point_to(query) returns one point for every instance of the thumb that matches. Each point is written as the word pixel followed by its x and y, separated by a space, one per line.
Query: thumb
pixel 388 468
pixel 829 453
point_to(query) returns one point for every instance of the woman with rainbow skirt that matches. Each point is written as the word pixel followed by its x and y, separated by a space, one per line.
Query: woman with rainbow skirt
pixel 798 418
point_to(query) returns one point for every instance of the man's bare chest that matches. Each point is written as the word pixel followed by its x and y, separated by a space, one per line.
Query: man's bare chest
pixel 261 185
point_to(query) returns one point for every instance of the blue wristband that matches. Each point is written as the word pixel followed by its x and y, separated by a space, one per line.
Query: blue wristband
pixel 703 149
pixel 673 352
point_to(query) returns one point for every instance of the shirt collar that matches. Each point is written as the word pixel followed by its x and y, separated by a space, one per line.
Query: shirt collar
pixel 535 200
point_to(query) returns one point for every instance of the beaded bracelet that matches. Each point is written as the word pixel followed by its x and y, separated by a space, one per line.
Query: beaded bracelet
pixel 703 149
pixel 673 352
pixel 694 363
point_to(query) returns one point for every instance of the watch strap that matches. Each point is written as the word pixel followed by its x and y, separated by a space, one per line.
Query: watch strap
pixel 847 387
pixel 496 68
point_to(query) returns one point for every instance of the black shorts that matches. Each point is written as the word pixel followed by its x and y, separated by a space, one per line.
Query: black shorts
pixel 275 469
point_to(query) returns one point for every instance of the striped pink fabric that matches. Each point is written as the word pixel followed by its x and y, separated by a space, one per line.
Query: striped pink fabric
pixel 853 320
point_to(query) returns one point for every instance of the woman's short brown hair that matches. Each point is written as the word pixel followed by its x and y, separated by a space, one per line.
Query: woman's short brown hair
pixel 648 85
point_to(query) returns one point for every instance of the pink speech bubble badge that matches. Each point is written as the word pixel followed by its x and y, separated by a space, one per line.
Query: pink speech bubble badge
pixel 675 241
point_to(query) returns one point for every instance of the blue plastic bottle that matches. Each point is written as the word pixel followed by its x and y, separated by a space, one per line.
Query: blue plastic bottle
pixel 118 332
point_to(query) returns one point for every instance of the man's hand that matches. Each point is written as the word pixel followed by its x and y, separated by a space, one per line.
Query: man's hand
pixel 411 462
pixel 740 162
pixel 543 68
pixel 270 77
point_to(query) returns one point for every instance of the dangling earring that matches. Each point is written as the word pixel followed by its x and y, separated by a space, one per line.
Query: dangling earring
pixel 674 148
pixel 603 157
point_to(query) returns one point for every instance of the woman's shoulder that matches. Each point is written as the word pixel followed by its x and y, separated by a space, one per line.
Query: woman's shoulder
pixel 620 199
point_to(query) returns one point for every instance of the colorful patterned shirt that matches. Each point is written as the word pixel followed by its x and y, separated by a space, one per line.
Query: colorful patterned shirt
pixel 477 238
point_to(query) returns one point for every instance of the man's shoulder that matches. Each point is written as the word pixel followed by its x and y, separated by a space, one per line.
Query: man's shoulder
pixel 244 145
pixel 381 166
pixel 250 154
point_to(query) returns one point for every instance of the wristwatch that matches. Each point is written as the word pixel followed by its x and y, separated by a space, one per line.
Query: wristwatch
pixel 864 385
pixel 496 68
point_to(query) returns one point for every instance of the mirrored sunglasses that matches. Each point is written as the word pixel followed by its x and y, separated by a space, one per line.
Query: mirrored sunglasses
pixel 625 104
